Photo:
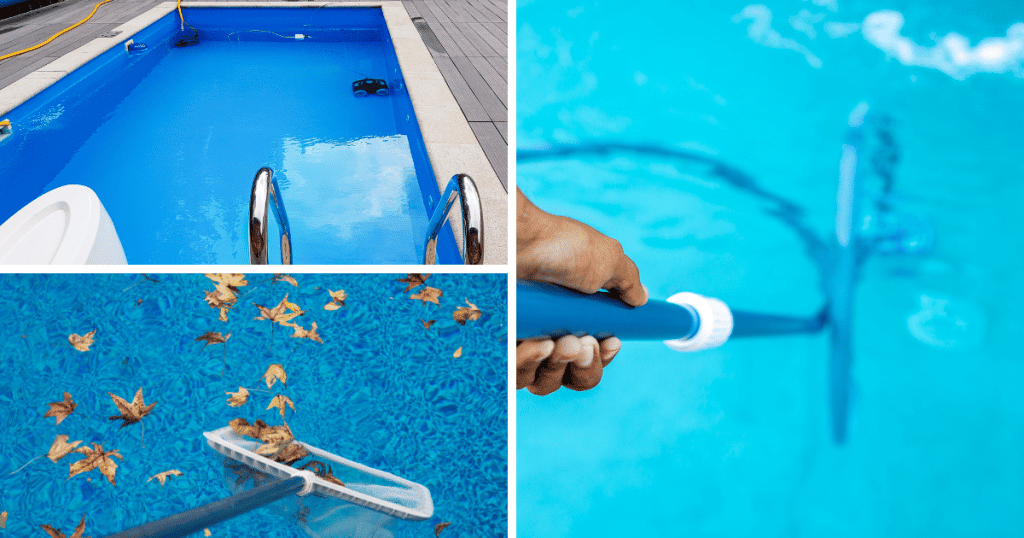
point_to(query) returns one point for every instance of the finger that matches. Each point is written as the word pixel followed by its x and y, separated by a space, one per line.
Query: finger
pixel 626 281
pixel 549 375
pixel 609 348
pixel 585 372
pixel 529 356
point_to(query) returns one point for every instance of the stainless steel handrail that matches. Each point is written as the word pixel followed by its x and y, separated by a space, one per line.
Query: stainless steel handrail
pixel 472 221
pixel 265 189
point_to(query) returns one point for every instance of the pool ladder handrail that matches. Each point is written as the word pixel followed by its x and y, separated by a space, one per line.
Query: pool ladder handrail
pixel 472 221
pixel 265 189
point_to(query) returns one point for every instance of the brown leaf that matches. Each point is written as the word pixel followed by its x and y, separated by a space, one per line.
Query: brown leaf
pixel 279 313
pixel 56 533
pixel 162 477
pixel 413 280
pixel 463 314
pixel 3 519
pixel 61 410
pixel 323 471
pixel 213 338
pixel 138 302
pixel 428 294
pixel 96 458
pixel 286 278
pixel 303 333
pixel 231 281
pixel 273 373
pixel 337 300
pixel 81 343
pixel 286 453
pixel 280 401
pixel 458 352
pixel 239 398
pixel 440 527
pixel 131 412
pixel 61 448
pixel 427 324
pixel 260 430
pixel 206 532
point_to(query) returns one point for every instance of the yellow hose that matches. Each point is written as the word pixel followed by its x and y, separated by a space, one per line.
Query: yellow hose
pixel 183 23
pixel 60 33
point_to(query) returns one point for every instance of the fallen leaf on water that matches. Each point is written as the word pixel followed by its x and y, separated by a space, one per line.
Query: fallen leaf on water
pixel 138 302
pixel 56 533
pixel 303 333
pixel 273 373
pixel 428 294
pixel 162 477
pixel 239 398
pixel 61 410
pixel 230 281
pixel 280 401
pixel 81 343
pixel 427 324
pixel 413 280
pixel 440 527
pixel 61 448
pixel 131 412
pixel 463 314
pixel 458 352
pixel 279 313
pixel 337 300
pixel 213 338
pixel 206 532
pixel 286 278
pixel 3 520
pixel 96 458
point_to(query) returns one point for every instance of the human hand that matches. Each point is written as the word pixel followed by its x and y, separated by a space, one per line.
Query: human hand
pixel 544 365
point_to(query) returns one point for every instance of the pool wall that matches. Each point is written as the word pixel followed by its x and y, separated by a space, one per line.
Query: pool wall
pixel 451 146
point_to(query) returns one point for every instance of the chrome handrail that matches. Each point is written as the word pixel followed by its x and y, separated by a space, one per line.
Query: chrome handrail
pixel 265 189
pixel 472 221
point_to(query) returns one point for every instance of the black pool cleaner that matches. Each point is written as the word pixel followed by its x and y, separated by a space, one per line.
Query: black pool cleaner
pixel 187 39
pixel 370 85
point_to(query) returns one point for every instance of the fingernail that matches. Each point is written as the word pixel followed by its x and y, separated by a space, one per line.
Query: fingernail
pixel 609 352
pixel 587 359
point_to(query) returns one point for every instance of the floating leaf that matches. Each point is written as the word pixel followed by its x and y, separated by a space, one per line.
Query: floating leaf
pixel 440 527
pixel 337 300
pixel 56 533
pixel 61 448
pixel 61 410
pixel 206 532
pixel 3 519
pixel 131 412
pixel 231 281
pixel 427 324
pixel 162 477
pixel 279 313
pixel 458 352
pixel 303 333
pixel 280 401
pixel 413 280
pixel 138 302
pixel 428 294
pixel 286 278
pixel 275 372
pixel 239 398
pixel 96 458
pixel 81 343
pixel 463 314
pixel 213 338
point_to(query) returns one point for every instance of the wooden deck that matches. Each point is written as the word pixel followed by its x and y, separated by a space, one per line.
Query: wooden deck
pixel 468 40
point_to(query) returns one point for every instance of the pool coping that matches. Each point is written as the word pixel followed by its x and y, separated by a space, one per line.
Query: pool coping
pixel 450 142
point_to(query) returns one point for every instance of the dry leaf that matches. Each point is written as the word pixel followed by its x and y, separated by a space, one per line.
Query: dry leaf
pixel 61 448
pixel 278 314
pixel 162 477
pixel 56 533
pixel 427 324
pixel 213 338
pixel 286 278
pixel 81 343
pixel 3 519
pixel 458 352
pixel 239 398
pixel 323 471
pixel 428 294
pixel 96 458
pixel 260 430
pixel 413 280
pixel 273 373
pixel 206 532
pixel 440 527
pixel 131 412
pixel 280 401
pixel 61 410
pixel 138 302
pixel 231 281
pixel 303 333
pixel 463 314
pixel 337 300
pixel 286 453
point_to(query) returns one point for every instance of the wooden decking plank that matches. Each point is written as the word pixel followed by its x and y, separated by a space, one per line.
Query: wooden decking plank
pixel 495 148
pixel 503 130
pixel 500 32
pixel 458 34
pixel 480 45
pixel 492 78
pixel 451 47
pixel 500 65
pixel 475 15
pixel 495 45
pixel 496 110
pixel 471 106
pixel 451 11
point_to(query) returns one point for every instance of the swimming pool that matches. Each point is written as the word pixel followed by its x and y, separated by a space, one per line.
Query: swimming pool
pixel 379 390
pixel 171 137
pixel 737 441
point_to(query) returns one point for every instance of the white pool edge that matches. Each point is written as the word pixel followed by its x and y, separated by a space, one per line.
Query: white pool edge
pixel 451 145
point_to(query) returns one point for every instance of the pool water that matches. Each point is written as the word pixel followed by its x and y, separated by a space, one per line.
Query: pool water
pixel 380 390
pixel 171 138
pixel 736 441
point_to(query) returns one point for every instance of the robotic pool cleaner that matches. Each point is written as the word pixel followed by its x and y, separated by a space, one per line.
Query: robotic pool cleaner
pixel 366 86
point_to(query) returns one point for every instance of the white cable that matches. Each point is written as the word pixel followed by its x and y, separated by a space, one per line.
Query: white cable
pixel 714 322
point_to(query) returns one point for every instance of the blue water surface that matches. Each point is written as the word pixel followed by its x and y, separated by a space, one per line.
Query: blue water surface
pixel 736 441
pixel 380 390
